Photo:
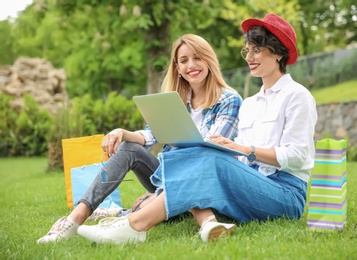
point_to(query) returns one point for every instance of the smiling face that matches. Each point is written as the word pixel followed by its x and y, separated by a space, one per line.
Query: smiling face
pixel 262 63
pixel 191 67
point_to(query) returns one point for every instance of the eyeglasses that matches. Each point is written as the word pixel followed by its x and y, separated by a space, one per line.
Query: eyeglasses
pixel 256 50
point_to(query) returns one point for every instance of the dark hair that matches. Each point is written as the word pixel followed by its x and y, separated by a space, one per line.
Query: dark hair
pixel 261 37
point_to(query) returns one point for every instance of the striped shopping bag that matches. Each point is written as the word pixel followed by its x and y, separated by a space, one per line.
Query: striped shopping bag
pixel 327 208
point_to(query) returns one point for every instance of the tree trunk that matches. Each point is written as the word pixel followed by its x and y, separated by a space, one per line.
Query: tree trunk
pixel 158 40
pixel 153 81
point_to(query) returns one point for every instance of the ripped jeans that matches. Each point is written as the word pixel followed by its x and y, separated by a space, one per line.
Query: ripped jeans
pixel 129 156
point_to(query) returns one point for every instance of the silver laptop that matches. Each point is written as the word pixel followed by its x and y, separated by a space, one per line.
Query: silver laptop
pixel 171 123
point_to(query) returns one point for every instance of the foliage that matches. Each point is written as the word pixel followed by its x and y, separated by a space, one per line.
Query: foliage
pixel 116 110
pixel 346 67
pixel 101 116
pixel 85 116
pixel 32 128
pixel 32 201
pixel 324 70
pixel 24 132
pixel 124 46
pixel 327 25
pixel 7 55
pixel 32 131
pixel 352 154
pixel 7 124
pixel 95 52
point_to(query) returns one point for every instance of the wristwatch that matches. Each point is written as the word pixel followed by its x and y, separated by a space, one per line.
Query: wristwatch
pixel 251 157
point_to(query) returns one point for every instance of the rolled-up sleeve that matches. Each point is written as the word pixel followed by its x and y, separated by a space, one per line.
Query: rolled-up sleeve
pixel 296 149
pixel 149 137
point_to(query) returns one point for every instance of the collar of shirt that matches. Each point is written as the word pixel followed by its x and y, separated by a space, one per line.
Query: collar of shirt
pixel 283 81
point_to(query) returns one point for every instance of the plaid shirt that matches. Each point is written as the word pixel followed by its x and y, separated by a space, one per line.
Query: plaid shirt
pixel 221 119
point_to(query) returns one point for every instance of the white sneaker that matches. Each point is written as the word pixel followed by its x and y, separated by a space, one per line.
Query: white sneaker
pixel 63 228
pixel 101 213
pixel 112 230
pixel 211 231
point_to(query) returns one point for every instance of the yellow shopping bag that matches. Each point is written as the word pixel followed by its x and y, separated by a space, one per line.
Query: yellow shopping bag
pixel 78 152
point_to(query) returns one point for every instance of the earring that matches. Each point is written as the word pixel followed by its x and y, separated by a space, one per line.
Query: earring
pixel 179 75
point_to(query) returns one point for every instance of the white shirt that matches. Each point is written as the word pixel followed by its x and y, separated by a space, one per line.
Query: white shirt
pixel 196 115
pixel 283 118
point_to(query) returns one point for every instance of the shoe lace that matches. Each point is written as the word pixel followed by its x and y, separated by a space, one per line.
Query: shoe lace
pixel 106 222
pixel 60 226
pixel 101 213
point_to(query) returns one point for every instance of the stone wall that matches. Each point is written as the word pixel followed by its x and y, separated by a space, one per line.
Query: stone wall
pixel 37 77
pixel 337 121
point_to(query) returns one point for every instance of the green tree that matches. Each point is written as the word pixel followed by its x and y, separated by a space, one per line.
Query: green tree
pixel 327 25
pixel 7 52
pixel 123 46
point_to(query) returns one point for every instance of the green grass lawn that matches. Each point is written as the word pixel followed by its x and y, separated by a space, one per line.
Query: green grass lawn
pixel 345 91
pixel 32 200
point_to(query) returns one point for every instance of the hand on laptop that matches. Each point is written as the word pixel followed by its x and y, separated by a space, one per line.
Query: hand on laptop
pixel 218 139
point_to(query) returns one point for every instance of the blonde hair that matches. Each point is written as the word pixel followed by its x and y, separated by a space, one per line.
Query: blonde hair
pixel 214 81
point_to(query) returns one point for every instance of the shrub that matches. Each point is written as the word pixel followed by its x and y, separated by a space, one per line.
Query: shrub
pixel 32 131
pixel 24 132
pixel 85 116
pixel 7 125
pixel 352 154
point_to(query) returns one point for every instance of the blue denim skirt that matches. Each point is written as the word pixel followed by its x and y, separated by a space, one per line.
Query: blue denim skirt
pixel 200 177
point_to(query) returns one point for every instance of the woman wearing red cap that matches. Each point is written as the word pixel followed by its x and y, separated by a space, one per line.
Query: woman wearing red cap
pixel 276 129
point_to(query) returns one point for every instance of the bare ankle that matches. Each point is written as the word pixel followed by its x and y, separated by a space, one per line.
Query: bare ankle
pixel 136 225
pixel 80 214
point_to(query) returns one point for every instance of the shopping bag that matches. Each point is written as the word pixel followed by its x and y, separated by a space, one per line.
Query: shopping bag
pixel 327 208
pixel 77 152
pixel 82 178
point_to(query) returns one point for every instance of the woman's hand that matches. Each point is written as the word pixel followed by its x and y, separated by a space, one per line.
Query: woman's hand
pixel 264 155
pixel 142 201
pixel 226 142
pixel 111 141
